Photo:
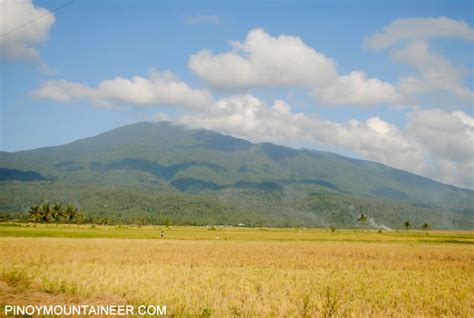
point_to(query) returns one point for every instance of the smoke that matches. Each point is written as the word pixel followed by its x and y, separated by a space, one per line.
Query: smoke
pixel 77 204
pixel 378 226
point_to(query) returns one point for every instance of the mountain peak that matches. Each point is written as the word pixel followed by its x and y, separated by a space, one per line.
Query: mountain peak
pixel 265 182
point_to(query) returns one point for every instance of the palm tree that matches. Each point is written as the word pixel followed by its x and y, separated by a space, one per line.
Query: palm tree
pixel 362 219
pixel 407 225
pixel 47 212
pixel 77 215
pixel 35 213
pixel 69 213
pixel 57 212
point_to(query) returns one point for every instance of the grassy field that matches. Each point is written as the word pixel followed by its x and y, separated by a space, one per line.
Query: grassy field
pixel 197 271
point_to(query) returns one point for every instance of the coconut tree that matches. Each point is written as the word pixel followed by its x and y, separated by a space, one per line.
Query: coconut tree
pixel 69 213
pixel 57 212
pixel 77 215
pixel 35 213
pixel 407 225
pixel 362 219
pixel 46 212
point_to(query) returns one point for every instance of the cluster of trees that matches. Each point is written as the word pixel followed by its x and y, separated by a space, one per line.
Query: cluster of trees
pixel 114 204
pixel 56 212
pixel 424 226
pixel 363 218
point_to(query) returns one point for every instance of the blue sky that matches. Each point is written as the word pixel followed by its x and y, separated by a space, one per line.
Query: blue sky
pixel 395 109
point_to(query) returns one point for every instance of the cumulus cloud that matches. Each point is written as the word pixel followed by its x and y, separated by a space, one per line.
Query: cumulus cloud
pixel 22 43
pixel 157 89
pixel 248 117
pixel 449 137
pixel 415 29
pixel 356 89
pixel 436 143
pixel 448 134
pixel 262 60
pixel 380 141
pixel 62 91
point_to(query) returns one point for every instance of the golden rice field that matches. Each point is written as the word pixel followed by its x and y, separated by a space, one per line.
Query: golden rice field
pixel 225 273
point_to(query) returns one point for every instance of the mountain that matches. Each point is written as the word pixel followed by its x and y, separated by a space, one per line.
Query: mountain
pixel 165 173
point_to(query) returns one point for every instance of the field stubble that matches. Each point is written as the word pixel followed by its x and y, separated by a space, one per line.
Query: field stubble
pixel 242 278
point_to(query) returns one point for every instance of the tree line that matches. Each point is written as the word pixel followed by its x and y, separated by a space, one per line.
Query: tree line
pixel 363 218
pixel 55 212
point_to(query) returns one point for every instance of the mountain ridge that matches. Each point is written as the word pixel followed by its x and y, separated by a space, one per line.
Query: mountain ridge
pixel 240 139
pixel 163 159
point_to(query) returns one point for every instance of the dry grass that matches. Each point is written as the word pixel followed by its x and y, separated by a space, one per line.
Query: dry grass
pixel 243 278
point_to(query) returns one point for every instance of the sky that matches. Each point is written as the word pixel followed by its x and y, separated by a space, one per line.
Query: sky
pixel 386 81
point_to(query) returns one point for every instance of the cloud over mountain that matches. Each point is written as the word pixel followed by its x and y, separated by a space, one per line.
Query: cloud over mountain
pixel 433 142
pixel 436 143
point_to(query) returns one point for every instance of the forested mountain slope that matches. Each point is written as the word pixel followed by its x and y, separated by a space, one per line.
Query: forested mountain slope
pixel 164 173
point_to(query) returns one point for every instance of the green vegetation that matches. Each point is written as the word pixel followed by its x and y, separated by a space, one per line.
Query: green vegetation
pixel 231 233
pixel 407 225
pixel 56 212
pixel 362 219
pixel 164 174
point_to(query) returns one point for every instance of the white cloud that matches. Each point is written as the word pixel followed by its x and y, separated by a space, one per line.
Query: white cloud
pixel 356 89
pixel 436 144
pixel 263 60
pixel 213 19
pixel 22 43
pixel 248 117
pixel 435 74
pixel 161 117
pixel 415 29
pixel 157 89
pixel 449 138
pixel 437 77
pixel 62 91
pixel 380 141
